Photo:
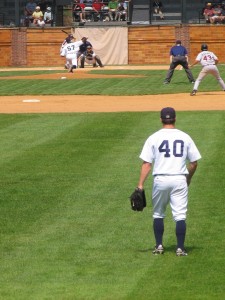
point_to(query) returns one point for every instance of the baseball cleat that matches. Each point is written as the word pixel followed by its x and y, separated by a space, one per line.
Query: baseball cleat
pixel 193 81
pixel 158 250
pixel 180 252
pixel 193 93
pixel 166 82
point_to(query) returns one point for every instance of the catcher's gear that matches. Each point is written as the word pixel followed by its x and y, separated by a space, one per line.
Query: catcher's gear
pixel 138 200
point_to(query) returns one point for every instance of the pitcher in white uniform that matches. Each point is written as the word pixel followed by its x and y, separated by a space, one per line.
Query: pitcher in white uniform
pixel 70 51
pixel 208 60
pixel 166 153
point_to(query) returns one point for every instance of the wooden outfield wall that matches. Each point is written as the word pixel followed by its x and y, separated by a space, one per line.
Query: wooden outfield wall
pixel 29 47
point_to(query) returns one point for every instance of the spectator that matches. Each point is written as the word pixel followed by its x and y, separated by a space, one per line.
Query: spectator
pixel 122 11
pixel 105 12
pixel 217 13
pixel 208 12
pixel 113 5
pixel 157 6
pixel 38 17
pixel 48 17
pixel 90 57
pixel 88 10
pixel 30 7
pixel 97 8
pixel 222 17
pixel 28 11
pixel 78 11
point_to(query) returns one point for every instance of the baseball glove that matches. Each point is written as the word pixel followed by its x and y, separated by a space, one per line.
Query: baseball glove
pixel 138 200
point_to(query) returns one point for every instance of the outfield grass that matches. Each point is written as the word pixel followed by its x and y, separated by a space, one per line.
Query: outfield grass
pixel 151 83
pixel 67 230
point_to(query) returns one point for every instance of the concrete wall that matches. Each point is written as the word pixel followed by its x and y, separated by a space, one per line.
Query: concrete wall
pixel 147 44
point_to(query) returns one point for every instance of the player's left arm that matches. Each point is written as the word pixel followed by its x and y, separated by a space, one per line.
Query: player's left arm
pixel 145 170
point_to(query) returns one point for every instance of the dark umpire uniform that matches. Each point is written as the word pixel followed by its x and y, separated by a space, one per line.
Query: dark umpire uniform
pixel 178 56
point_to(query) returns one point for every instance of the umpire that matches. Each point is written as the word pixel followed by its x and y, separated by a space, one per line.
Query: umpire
pixel 178 56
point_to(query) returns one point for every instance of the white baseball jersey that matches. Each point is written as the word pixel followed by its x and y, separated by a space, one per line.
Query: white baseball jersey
pixel 169 149
pixel 206 58
pixel 62 46
pixel 71 48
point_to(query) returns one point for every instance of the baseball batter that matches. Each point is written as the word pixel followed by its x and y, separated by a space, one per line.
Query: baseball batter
pixel 166 152
pixel 70 52
pixel 208 60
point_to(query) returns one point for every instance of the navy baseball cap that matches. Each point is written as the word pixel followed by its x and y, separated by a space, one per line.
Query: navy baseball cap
pixel 168 113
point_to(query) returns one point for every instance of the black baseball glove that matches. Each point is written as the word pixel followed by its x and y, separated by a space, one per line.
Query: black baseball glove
pixel 138 200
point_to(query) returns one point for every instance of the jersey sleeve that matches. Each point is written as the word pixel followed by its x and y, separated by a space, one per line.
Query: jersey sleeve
pixel 147 153
pixel 63 51
pixel 193 153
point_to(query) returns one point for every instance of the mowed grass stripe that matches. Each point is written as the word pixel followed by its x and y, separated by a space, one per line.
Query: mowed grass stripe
pixel 67 230
pixel 146 82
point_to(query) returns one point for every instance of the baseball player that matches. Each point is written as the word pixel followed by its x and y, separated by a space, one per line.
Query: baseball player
pixel 83 47
pixel 70 52
pixel 90 57
pixel 64 43
pixel 208 60
pixel 165 152
pixel 178 56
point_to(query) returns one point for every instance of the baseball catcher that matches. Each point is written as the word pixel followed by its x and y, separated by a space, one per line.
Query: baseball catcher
pixel 138 200
pixel 90 57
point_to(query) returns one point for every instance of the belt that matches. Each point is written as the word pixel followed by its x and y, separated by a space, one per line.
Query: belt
pixel 169 175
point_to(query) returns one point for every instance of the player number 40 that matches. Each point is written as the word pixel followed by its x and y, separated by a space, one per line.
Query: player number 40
pixel 178 148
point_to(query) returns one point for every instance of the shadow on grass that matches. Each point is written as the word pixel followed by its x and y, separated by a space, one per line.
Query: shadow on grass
pixel 172 249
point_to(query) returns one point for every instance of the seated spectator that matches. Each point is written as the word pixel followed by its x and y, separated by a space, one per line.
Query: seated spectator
pixel 216 17
pixel 122 11
pixel 157 6
pixel 48 17
pixel 97 8
pixel 90 57
pixel 208 12
pixel 88 10
pixel 28 11
pixel 38 16
pixel 105 12
pixel 222 16
pixel 78 11
pixel 113 5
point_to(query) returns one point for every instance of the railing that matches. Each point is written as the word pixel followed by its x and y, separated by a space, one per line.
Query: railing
pixel 103 14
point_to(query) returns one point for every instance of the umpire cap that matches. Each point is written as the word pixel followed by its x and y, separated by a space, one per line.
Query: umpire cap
pixel 168 113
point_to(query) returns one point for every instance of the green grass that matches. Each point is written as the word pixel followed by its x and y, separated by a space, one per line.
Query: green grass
pixel 150 83
pixel 67 230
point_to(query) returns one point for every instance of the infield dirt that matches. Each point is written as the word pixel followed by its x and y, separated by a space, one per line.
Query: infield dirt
pixel 78 103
